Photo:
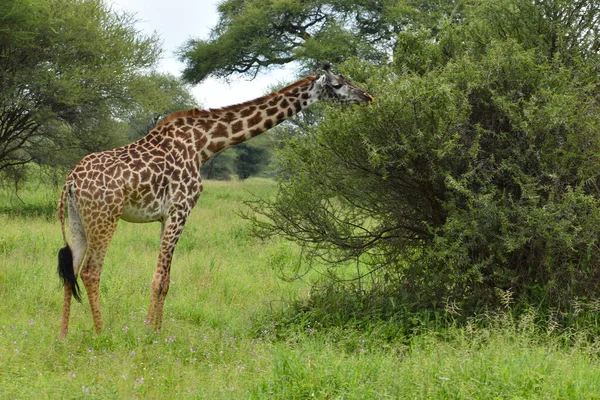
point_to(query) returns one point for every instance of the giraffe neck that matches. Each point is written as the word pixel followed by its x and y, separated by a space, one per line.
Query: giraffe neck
pixel 229 126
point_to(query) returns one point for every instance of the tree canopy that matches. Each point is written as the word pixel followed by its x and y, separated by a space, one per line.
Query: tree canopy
pixel 255 35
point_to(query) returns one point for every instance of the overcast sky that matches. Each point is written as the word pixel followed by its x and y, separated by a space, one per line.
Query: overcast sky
pixel 175 21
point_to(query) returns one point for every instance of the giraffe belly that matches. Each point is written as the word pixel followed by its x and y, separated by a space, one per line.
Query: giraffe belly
pixel 132 213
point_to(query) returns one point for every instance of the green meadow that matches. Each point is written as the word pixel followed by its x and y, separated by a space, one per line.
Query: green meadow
pixel 232 330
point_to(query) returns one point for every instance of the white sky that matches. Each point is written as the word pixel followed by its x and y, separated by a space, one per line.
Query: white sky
pixel 175 21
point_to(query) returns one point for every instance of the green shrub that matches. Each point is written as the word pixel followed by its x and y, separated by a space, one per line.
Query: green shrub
pixel 476 169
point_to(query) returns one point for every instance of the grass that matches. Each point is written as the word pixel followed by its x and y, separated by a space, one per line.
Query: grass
pixel 225 334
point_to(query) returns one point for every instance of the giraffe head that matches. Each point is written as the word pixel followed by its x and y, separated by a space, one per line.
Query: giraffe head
pixel 336 88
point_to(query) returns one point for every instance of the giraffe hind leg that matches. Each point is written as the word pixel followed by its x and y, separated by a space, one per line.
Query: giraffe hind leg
pixel 91 271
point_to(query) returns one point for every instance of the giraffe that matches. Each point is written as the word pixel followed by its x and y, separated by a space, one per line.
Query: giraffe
pixel 157 179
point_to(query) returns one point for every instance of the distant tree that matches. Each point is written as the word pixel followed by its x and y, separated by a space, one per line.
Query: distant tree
pixel 71 74
pixel 219 167
pixel 244 160
pixel 253 157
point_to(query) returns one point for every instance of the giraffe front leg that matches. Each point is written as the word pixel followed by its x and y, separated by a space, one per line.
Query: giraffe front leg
pixel 160 288
pixel 170 233
pixel 92 267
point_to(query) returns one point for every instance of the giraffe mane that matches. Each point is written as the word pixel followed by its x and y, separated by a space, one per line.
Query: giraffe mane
pixel 196 112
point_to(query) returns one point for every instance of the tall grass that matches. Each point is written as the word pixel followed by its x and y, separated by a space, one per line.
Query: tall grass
pixel 231 331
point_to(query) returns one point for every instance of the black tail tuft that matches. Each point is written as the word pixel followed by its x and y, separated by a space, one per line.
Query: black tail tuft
pixel 65 271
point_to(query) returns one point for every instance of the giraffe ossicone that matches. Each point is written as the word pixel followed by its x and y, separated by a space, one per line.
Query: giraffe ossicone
pixel 157 179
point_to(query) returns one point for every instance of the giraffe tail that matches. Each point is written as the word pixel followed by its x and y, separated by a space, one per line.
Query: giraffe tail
pixel 66 271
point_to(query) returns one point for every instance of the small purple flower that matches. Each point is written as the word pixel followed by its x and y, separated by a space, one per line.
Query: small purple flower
pixel 139 381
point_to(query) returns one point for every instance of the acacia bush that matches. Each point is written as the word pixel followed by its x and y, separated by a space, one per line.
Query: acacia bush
pixel 475 172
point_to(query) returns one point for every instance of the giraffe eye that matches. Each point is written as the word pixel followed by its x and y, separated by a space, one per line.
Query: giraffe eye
pixel 336 87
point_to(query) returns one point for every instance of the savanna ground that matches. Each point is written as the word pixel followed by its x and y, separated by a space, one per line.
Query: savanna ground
pixel 230 329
